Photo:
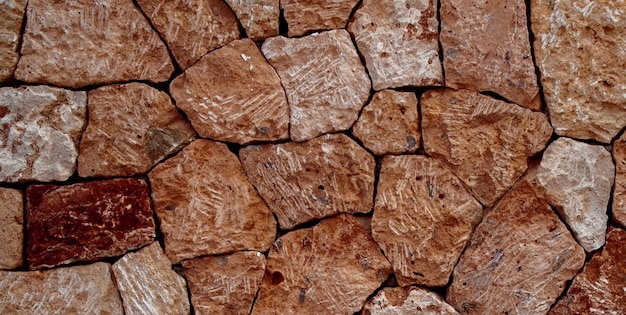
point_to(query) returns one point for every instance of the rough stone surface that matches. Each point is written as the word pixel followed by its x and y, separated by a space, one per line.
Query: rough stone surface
pixel 619 192
pixel 577 178
pixel 40 128
pixel 305 181
pixel 87 42
pixel 580 49
pixel 422 219
pixel 191 28
pixel 225 284
pixel 389 124
pixel 485 141
pixel 11 228
pixel 11 18
pixel 131 128
pixel 399 41
pixel 518 259
pixel 259 18
pixel 87 289
pixel 306 16
pixel 207 206
pixel 233 94
pixel 486 48
pixel 148 285
pixel 600 288
pixel 330 268
pixel 407 301
pixel 86 221
pixel 325 82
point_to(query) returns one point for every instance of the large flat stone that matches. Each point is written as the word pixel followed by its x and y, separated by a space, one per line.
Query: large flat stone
pixel 11 18
pixel 259 18
pixel 619 190
pixel 11 228
pixel 306 16
pixel 407 301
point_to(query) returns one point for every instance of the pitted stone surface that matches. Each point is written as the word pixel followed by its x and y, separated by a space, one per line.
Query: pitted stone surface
pixel 11 228
pixel 259 18
pixel 11 18
pixel 619 192
pixel 306 16
pixel 407 301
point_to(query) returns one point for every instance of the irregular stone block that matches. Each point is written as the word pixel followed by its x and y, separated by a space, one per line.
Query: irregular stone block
pixel 85 42
pixel 40 129
pixel 233 94
pixel 330 268
pixel 259 18
pixel 306 16
pixel 86 221
pixel 399 42
pixel 207 206
pixel 325 82
pixel 486 142
pixel 407 301
pixel 619 192
pixel 12 230
pixel 11 18
pixel 305 181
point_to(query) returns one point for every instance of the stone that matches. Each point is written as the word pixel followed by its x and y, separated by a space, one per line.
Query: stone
pixel 148 285
pixel 192 28
pixel 84 42
pixel 389 124
pixel 486 48
pixel 86 221
pixel 259 18
pixel 311 180
pixel 619 190
pixel 325 81
pixel 580 50
pixel 11 228
pixel 40 128
pixel 330 268
pixel 131 128
pixel 207 206
pixel 578 178
pixel 233 94
pixel 399 42
pixel 225 284
pixel 422 219
pixel 486 142
pixel 600 287
pixel 11 19
pixel 407 301
pixel 518 260
pixel 85 289
pixel 307 16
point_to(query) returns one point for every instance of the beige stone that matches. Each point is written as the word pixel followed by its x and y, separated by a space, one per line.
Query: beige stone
pixel 11 228
pixel 306 16
pixel 232 94
pixel 225 284
pixel 85 42
pixel 259 18
pixel 325 82
pixel 486 142
pixel 422 219
pixel 407 301
pixel 207 206
pixel 619 190
pixel 11 18
pixel 399 42
pixel 330 268
pixel 310 180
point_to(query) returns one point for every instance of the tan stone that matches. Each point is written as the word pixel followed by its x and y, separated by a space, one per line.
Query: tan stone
pixel 518 259
pixel 325 82
pixel 85 42
pixel 225 284
pixel 422 219
pixel 399 42
pixel 580 50
pixel 619 191
pixel 192 28
pixel 40 127
pixel 389 124
pixel 486 142
pixel 407 301
pixel 148 285
pixel 207 206
pixel 87 289
pixel 11 18
pixel 259 18
pixel 330 268
pixel 306 16
pixel 11 228
pixel 233 94
pixel 305 181
pixel 486 48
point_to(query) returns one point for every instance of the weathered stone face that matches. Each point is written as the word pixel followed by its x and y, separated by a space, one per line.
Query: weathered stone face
pixel 11 228
pixel 619 192
pixel 407 301
pixel 11 18
pixel 306 16
pixel 259 18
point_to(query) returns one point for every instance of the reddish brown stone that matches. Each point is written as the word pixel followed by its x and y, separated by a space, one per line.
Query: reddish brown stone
pixel 11 18
pixel 619 190
pixel 259 18
pixel 11 228
pixel 311 180
pixel 313 15
pixel 86 221
pixel 407 301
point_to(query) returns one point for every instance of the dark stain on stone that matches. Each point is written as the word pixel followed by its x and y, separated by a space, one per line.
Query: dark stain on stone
pixel 496 259
pixel 302 294
pixel 410 142
pixel 162 142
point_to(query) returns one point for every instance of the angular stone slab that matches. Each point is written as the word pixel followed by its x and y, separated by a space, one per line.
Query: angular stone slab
pixel 305 181
pixel 207 206
pixel 486 142
pixel 12 230
pixel 11 19
pixel 259 18
pixel 407 301
pixel 619 192
pixel 85 42
pixel 306 16
pixel 86 221
pixel 330 268
pixel 233 94
pixel 41 127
